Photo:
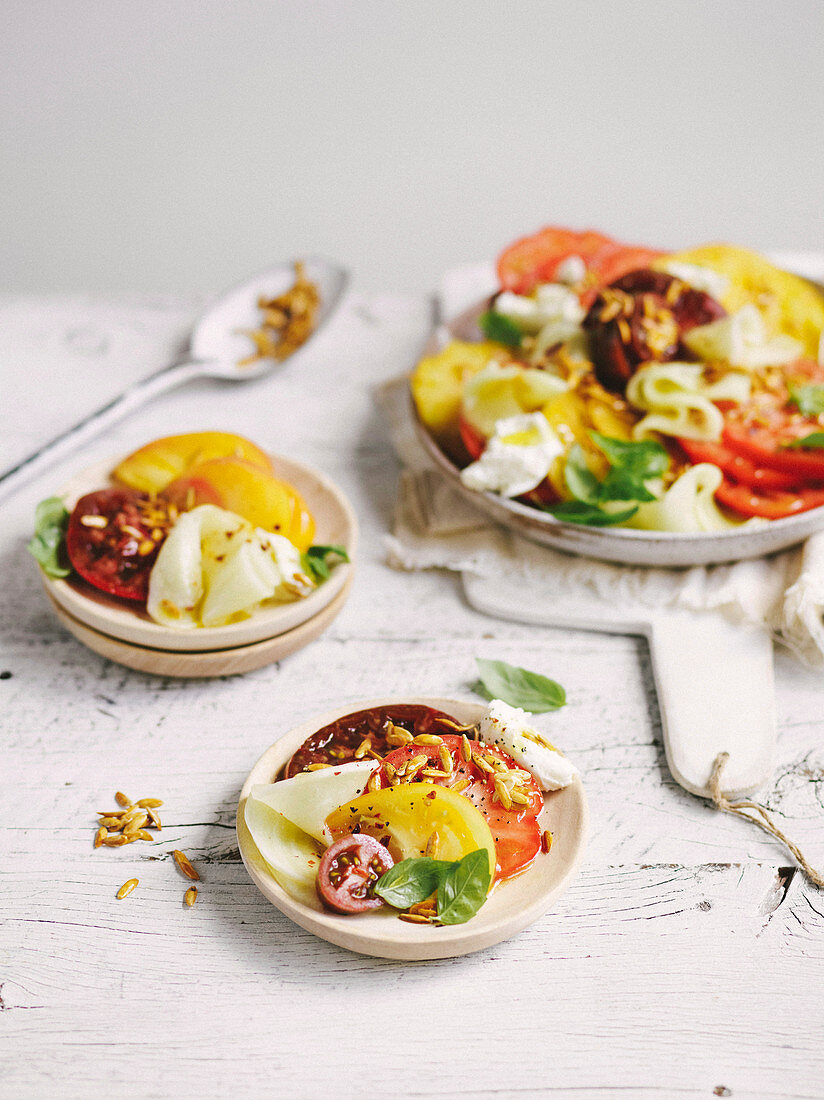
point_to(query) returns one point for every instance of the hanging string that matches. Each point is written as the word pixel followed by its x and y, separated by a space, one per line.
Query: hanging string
pixel 758 815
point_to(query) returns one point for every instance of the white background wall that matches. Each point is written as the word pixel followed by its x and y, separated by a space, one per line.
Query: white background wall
pixel 170 145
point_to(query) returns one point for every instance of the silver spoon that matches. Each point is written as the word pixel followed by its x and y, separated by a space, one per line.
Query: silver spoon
pixel 216 346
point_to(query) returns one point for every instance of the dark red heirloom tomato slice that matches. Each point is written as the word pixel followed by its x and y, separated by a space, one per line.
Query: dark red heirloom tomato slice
pixel 348 871
pixel 338 742
pixel 736 466
pixel 516 832
pixel 111 544
pixel 776 504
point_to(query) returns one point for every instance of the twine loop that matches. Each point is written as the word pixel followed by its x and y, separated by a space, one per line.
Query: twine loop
pixel 758 815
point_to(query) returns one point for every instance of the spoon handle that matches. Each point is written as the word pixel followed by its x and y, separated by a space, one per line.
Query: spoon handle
pixel 136 395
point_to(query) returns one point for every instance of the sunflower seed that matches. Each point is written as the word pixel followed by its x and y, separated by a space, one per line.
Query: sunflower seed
pixel 185 865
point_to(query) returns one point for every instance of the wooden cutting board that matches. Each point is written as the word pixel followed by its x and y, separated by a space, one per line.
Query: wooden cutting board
pixel 714 678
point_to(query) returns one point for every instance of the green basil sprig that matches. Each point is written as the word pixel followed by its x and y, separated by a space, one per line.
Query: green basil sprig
pixel 813 440
pixel 498 327
pixel 808 399
pixel 318 560
pixel 631 465
pixel 519 687
pixel 50 522
pixel 461 885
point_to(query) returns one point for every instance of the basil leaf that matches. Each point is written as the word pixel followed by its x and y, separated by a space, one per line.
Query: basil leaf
pixel 580 480
pixel 411 881
pixel 316 560
pixel 578 511
pixel 50 522
pixel 814 439
pixel 519 687
pixel 808 399
pixel 497 327
pixel 639 460
pixel 463 889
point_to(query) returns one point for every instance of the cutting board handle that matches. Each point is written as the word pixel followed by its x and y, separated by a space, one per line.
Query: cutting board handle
pixel 715 685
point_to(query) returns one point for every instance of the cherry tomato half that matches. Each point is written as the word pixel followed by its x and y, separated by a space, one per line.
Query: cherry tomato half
pixel 348 871
pixel 515 831
pixel 113 539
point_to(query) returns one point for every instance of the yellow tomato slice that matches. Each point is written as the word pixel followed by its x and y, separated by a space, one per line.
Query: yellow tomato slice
pixel 409 814
pixel 437 385
pixel 151 468
pixel 248 491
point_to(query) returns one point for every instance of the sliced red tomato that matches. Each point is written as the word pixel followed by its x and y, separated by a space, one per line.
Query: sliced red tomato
pixel 737 467
pixel 535 259
pixel 516 831
pixel 472 439
pixel 748 501
pixel 113 539
pixel 348 871
pixel 765 444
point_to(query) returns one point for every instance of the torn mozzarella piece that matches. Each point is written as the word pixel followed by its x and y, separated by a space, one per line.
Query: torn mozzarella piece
pixel 549 302
pixel 214 568
pixel 517 458
pixel 509 728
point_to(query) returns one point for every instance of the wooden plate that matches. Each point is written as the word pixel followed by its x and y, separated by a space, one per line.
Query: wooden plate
pixel 617 544
pixel 202 664
pixel 336 525
pixel 509 909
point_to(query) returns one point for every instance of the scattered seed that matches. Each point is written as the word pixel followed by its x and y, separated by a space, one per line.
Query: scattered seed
pixel 94 521
pixel 479 762
pixel 116 841
pixel 111 822
pixel 316 767
pixel 446 758
pixel 435 773
pixel 428 739
pixel 546 840
pixel 185 865
pixel 154 818
pixel 461 785
pixel 143 834
pixel 100 835
pixel 432 844
pixel 363 748
pixel 466 749
pixel 122 799
pixel 519 797
pixel 127 888
pixel 414 918
pixel 135 823
pixel 190 897
pixel 390 769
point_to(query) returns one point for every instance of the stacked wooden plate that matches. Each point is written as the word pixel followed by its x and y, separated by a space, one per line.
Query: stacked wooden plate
pixel 127 635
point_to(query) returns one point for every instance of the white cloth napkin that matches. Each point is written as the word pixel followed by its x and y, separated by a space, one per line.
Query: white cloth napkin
pixel 435 527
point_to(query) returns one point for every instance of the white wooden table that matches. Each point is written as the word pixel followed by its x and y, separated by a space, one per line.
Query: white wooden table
pixel 686 959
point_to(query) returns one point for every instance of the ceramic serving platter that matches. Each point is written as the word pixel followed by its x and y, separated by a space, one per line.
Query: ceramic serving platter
pixel 510 908
pixel 616 544
pixel 115 619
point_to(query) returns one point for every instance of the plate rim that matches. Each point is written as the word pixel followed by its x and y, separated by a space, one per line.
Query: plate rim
pixel 401 940
pixel 125 624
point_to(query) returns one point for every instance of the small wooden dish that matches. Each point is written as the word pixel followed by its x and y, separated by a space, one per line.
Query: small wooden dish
pixel 203 663
pixel 126 634
pixel 509 909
